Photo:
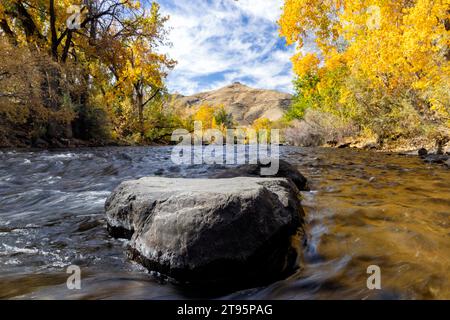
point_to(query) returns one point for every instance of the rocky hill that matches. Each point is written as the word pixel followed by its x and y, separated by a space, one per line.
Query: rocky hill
pixel 244 103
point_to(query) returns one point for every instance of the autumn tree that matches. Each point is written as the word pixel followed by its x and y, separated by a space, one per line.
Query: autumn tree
pixel 206 115
pixel 383 64
pixel 107 49
pixel 20 93
pixel 262 128
pixel 214 117
pixel 223 119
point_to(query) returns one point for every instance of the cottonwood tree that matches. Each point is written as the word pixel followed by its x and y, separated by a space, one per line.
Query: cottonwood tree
pixel 110 54
pixel 384 64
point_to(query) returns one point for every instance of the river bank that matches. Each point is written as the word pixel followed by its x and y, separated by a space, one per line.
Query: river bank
pixel 404 146
pixel 410 146
pixel 20 140
pixel 66 143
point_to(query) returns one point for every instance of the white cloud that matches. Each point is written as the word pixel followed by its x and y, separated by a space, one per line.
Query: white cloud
pixel 217 42
pixel 269 9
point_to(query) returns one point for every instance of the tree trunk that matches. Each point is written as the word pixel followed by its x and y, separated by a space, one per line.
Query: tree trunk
pixel 54 37
pixel 67 47
pixel 140 103
pixel 93 24
pixel 7 30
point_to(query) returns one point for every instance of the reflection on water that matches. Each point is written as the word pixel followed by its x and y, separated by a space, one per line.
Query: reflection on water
pixel 364 209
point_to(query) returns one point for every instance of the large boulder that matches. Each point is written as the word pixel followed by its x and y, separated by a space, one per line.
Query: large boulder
pixel 286 170
pixel 205 231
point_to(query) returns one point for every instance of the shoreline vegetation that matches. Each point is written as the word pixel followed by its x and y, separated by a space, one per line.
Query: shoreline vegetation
pixel 411 147
pixel 101 81
pixel 378 77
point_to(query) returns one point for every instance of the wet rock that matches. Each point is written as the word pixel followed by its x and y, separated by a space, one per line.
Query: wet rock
pixel 436 158
pixel 204 231
pixel 422 152
pixel 286 170
pixel 344 145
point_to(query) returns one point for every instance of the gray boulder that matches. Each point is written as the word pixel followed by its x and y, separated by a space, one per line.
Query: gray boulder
pixel 205 231
pixel 286 170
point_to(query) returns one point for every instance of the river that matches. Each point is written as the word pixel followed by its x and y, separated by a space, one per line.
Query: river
pixel 364 208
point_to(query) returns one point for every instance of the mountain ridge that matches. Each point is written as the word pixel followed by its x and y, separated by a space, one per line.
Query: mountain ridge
pixel 245 103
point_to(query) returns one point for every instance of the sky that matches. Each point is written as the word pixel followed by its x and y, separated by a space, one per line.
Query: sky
pixel 218 42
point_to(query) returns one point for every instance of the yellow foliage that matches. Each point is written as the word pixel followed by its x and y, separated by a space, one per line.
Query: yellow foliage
pixel 262 127
pixel 262 124
pixel 303 64
pixel 205 114
pixel 105 73
pixel 395 54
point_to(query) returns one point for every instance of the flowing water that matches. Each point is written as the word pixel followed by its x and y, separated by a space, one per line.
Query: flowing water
pixel 364 209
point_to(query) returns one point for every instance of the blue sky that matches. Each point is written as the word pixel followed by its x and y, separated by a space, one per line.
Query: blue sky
pixel 217 42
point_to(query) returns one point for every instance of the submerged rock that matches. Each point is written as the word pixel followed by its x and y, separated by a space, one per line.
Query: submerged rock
pixel 436 158
pixel 206 231
pixel 286 170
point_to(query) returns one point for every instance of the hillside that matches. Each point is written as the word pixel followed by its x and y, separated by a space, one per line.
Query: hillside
pixel 244 103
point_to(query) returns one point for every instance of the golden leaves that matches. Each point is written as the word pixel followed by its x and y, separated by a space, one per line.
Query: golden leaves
pixel 385 64
pixel 305 63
